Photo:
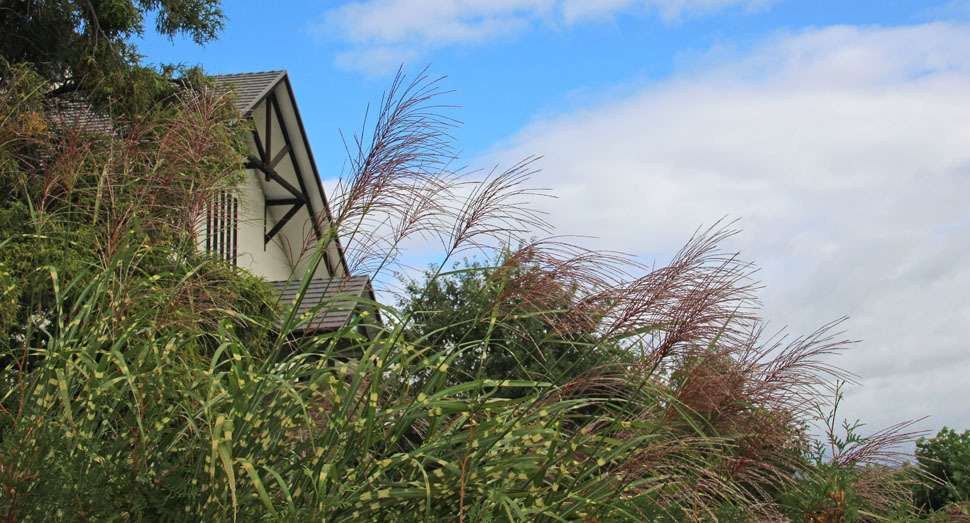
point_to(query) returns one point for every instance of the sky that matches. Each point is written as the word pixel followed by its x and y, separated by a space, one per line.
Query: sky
pixel 836 133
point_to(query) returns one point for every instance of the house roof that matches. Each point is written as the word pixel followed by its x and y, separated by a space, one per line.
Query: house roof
pixel 250 88
pixel 253 88
pixel 73 110
pixel 334 296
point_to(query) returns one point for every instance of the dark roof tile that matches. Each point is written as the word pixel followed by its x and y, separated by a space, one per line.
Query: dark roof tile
pixel 74 111
pixel 249 87
pixel 331 294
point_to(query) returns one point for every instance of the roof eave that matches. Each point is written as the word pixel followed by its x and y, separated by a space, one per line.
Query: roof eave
pixel 313 166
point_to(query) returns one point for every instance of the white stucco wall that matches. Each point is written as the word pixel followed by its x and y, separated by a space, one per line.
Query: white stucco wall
pixel 269 260
pixel 276 260
pixel 294 236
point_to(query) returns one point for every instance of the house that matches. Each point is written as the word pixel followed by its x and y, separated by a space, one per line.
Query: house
pixel 281 207
pixel 280 210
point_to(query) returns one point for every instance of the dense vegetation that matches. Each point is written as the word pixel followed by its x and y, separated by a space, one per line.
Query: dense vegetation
pixel 946 458
pixel 538 341
pixel 141 379
pixel 84 45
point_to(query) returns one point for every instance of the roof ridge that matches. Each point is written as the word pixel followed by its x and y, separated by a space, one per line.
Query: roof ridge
pixel 276 71
pixel 297 281
pixel 251 88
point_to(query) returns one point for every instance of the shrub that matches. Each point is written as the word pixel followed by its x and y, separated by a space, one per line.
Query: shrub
pixel 946 460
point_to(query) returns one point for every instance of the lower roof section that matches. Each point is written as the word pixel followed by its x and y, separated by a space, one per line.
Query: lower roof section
pixel 330 301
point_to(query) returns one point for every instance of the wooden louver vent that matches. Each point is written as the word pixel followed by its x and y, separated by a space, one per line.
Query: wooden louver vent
pixel 222 227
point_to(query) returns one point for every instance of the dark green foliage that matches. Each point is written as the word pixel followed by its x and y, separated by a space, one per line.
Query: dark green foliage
pixel 114 421
pixel 83 42
pixel 70 199
pixel 826 494
pixel 83 47
pixel 33 241
pixel 946 459
pixel 496 335
pixel 100 275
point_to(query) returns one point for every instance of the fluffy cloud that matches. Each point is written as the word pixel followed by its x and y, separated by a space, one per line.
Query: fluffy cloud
pixel 844 151
pixel 577 10
pixel 383 33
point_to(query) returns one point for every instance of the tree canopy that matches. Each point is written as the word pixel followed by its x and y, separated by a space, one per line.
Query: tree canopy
pixel 475 311
pixel 78 41
pixel 85 45
pixel 946 459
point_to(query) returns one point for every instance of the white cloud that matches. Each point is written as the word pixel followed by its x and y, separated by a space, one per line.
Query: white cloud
pixel 576 10
pixel 396 30
pixel 954 9
pixel 376 59
pixel 845 152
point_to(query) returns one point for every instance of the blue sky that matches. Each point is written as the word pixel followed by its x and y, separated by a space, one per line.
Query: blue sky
pixel 504 82
pixel 838 133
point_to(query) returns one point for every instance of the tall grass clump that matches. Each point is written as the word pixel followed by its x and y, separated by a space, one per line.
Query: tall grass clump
pixel 143 380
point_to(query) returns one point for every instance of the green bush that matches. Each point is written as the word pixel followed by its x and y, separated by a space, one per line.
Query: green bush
pixel 529 339
pixel 946 460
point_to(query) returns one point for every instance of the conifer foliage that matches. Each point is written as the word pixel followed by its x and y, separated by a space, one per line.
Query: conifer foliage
pixel 76 43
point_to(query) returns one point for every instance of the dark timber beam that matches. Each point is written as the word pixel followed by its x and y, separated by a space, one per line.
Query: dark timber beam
pixel 279 225
pixel 272 175
pixel 301 197
pixel 279 156
pixel 283 201
pixel 269 130
pixel 296 167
